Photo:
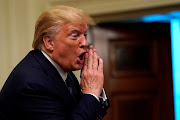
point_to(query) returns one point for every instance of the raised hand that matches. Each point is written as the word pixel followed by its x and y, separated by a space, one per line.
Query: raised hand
pixel 92 77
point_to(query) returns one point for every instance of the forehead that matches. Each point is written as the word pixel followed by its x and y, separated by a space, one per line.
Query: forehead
pixel 70 27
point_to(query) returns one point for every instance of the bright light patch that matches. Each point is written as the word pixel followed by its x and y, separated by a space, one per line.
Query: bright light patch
pixel 175 42
pixel 175 14
pixel 156 18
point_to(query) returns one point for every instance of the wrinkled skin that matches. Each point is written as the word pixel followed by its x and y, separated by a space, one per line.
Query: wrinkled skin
pixel 92 77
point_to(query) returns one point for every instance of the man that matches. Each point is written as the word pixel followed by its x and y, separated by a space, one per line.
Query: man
pixel 43 87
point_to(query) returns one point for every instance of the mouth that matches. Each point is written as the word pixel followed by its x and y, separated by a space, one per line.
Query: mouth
pixel 82 56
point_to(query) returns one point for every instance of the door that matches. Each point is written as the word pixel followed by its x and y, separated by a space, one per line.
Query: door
pixel 137 69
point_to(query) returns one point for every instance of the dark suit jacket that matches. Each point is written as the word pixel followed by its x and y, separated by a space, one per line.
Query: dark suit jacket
pixel 35 91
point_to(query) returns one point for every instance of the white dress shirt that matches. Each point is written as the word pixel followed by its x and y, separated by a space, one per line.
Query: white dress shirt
pixel 64 76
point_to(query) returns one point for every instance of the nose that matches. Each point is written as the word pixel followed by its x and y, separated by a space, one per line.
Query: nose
pixel 84 43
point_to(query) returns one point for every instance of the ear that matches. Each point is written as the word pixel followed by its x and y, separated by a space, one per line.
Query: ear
pixel 48 43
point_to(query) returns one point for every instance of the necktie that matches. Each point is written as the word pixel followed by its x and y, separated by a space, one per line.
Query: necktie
pixel 71 87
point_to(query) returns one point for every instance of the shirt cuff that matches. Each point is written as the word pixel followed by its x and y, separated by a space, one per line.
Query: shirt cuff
pixel 94 96
pixel 102 96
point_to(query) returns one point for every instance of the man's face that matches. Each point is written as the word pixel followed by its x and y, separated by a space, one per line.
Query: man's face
pixel 70 45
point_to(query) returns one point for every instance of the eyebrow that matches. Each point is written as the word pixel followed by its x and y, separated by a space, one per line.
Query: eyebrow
pixel 77 31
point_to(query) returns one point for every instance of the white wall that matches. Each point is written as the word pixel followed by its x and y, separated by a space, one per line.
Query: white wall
pixel 17 19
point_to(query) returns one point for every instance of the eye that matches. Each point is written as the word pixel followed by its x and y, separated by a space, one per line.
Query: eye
pixel 74 36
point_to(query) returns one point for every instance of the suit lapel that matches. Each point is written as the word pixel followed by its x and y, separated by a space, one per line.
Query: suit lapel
pixel 54 75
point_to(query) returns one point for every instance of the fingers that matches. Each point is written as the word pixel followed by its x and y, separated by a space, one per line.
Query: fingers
pixel 90 47
pixel 90 59
pixel 100 67
pixel 92 77
pixel 85 61
pixel 95 61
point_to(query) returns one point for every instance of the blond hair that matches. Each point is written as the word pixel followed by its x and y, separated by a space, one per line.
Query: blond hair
pixel 50 21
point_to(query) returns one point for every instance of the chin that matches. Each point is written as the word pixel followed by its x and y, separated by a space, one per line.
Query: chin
pixel 78 67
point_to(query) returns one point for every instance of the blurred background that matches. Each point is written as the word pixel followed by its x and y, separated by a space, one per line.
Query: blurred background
pixel 138 40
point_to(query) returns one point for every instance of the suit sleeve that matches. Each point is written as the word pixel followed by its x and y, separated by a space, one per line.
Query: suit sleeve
pixel 89 108
pixel 37 105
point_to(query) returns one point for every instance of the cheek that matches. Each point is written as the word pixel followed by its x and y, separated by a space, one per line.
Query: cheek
pixel 68 50
pixel 70 54
pixel 73 49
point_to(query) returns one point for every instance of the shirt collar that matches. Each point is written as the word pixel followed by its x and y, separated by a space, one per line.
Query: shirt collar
pixel 59 69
